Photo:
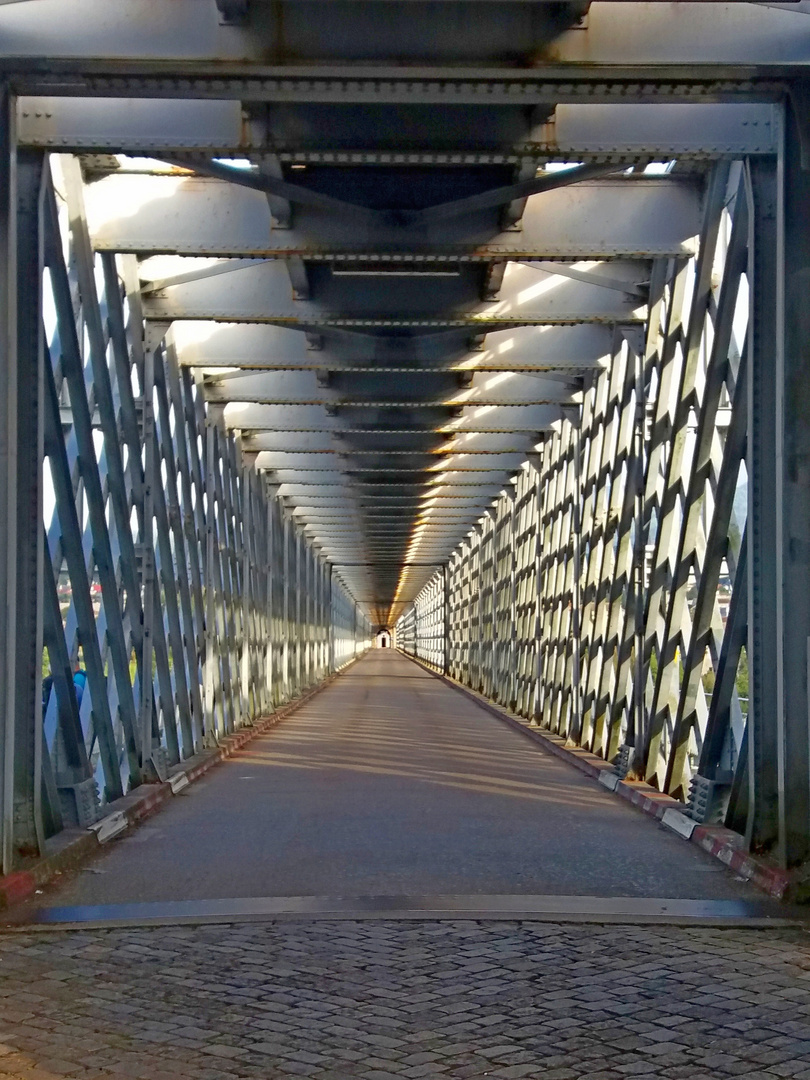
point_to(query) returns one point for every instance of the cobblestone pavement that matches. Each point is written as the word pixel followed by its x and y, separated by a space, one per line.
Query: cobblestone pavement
pixel 385 999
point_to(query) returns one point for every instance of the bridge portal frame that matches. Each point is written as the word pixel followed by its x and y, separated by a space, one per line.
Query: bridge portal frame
pixel 772 794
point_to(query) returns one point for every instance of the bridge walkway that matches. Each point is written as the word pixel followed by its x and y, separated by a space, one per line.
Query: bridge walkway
pixel 391 783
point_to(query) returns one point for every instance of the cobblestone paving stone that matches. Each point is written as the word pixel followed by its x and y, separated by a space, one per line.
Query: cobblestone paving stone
pixel 381 1000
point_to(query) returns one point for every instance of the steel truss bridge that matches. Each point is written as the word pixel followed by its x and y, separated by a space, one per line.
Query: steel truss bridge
pixel 488 322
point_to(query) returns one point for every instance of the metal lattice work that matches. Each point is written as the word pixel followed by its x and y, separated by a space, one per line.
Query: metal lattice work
pixel 421 631
pixel 175 580
pixel 594 597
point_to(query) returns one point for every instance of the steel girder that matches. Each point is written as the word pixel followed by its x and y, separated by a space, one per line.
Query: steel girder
pixel 188 36
pixel 261 294
pixel 626 216
pixel 423 397
pixel 257 347
pixel 143 126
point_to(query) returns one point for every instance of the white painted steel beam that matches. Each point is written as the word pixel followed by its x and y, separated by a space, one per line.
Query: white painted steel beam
pixel 261 293
pixel 406 461
pixel 148 126
pixel 621 34
pixel 631 216
pixel 314 446
pixel 303 388
pixel 262 347
pixel 312 419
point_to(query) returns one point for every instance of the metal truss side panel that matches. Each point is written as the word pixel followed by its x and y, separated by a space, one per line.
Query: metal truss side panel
pixel 603 600
pixel 156 579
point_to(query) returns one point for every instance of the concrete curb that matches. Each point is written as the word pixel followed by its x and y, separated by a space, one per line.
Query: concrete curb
pixel 72 848
pixel 722 843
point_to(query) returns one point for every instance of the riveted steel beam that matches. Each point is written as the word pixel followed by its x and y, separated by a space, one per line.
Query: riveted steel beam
pixel 145 126
pixel 621 216
pixel 312 420
pixel 545 487
pixel 255 347
pixel 386 389
pixel 621 35
pixel 260 293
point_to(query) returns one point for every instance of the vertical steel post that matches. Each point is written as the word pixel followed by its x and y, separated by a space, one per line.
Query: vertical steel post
pixel 315 617
pixel 492 518
pixel 792 495
pixel 272 599
pixel 191 529
pixel 285 608
pixel 21 452
pixel 576 584
pixel 323 617
pixel 28 825
pixel 309 608
pixel 510 692
pixel 210 667
pixel 179 566
pixel 479 532
pixel 331 617
pixel 153 335
pixel 445 619
pixel 765 824
pixel 534 715
pixel 779 508
pixel 8 460
pixel 298 612
pixel 247 519
pixel 636 721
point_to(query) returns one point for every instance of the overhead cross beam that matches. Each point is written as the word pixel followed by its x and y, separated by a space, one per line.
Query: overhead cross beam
pixel 646 43
pixel 611 217
pixel 659 130
pixel 297 193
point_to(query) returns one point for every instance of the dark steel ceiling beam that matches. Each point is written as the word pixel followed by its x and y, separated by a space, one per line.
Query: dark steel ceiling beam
pixel 503 195
pixel 272 185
